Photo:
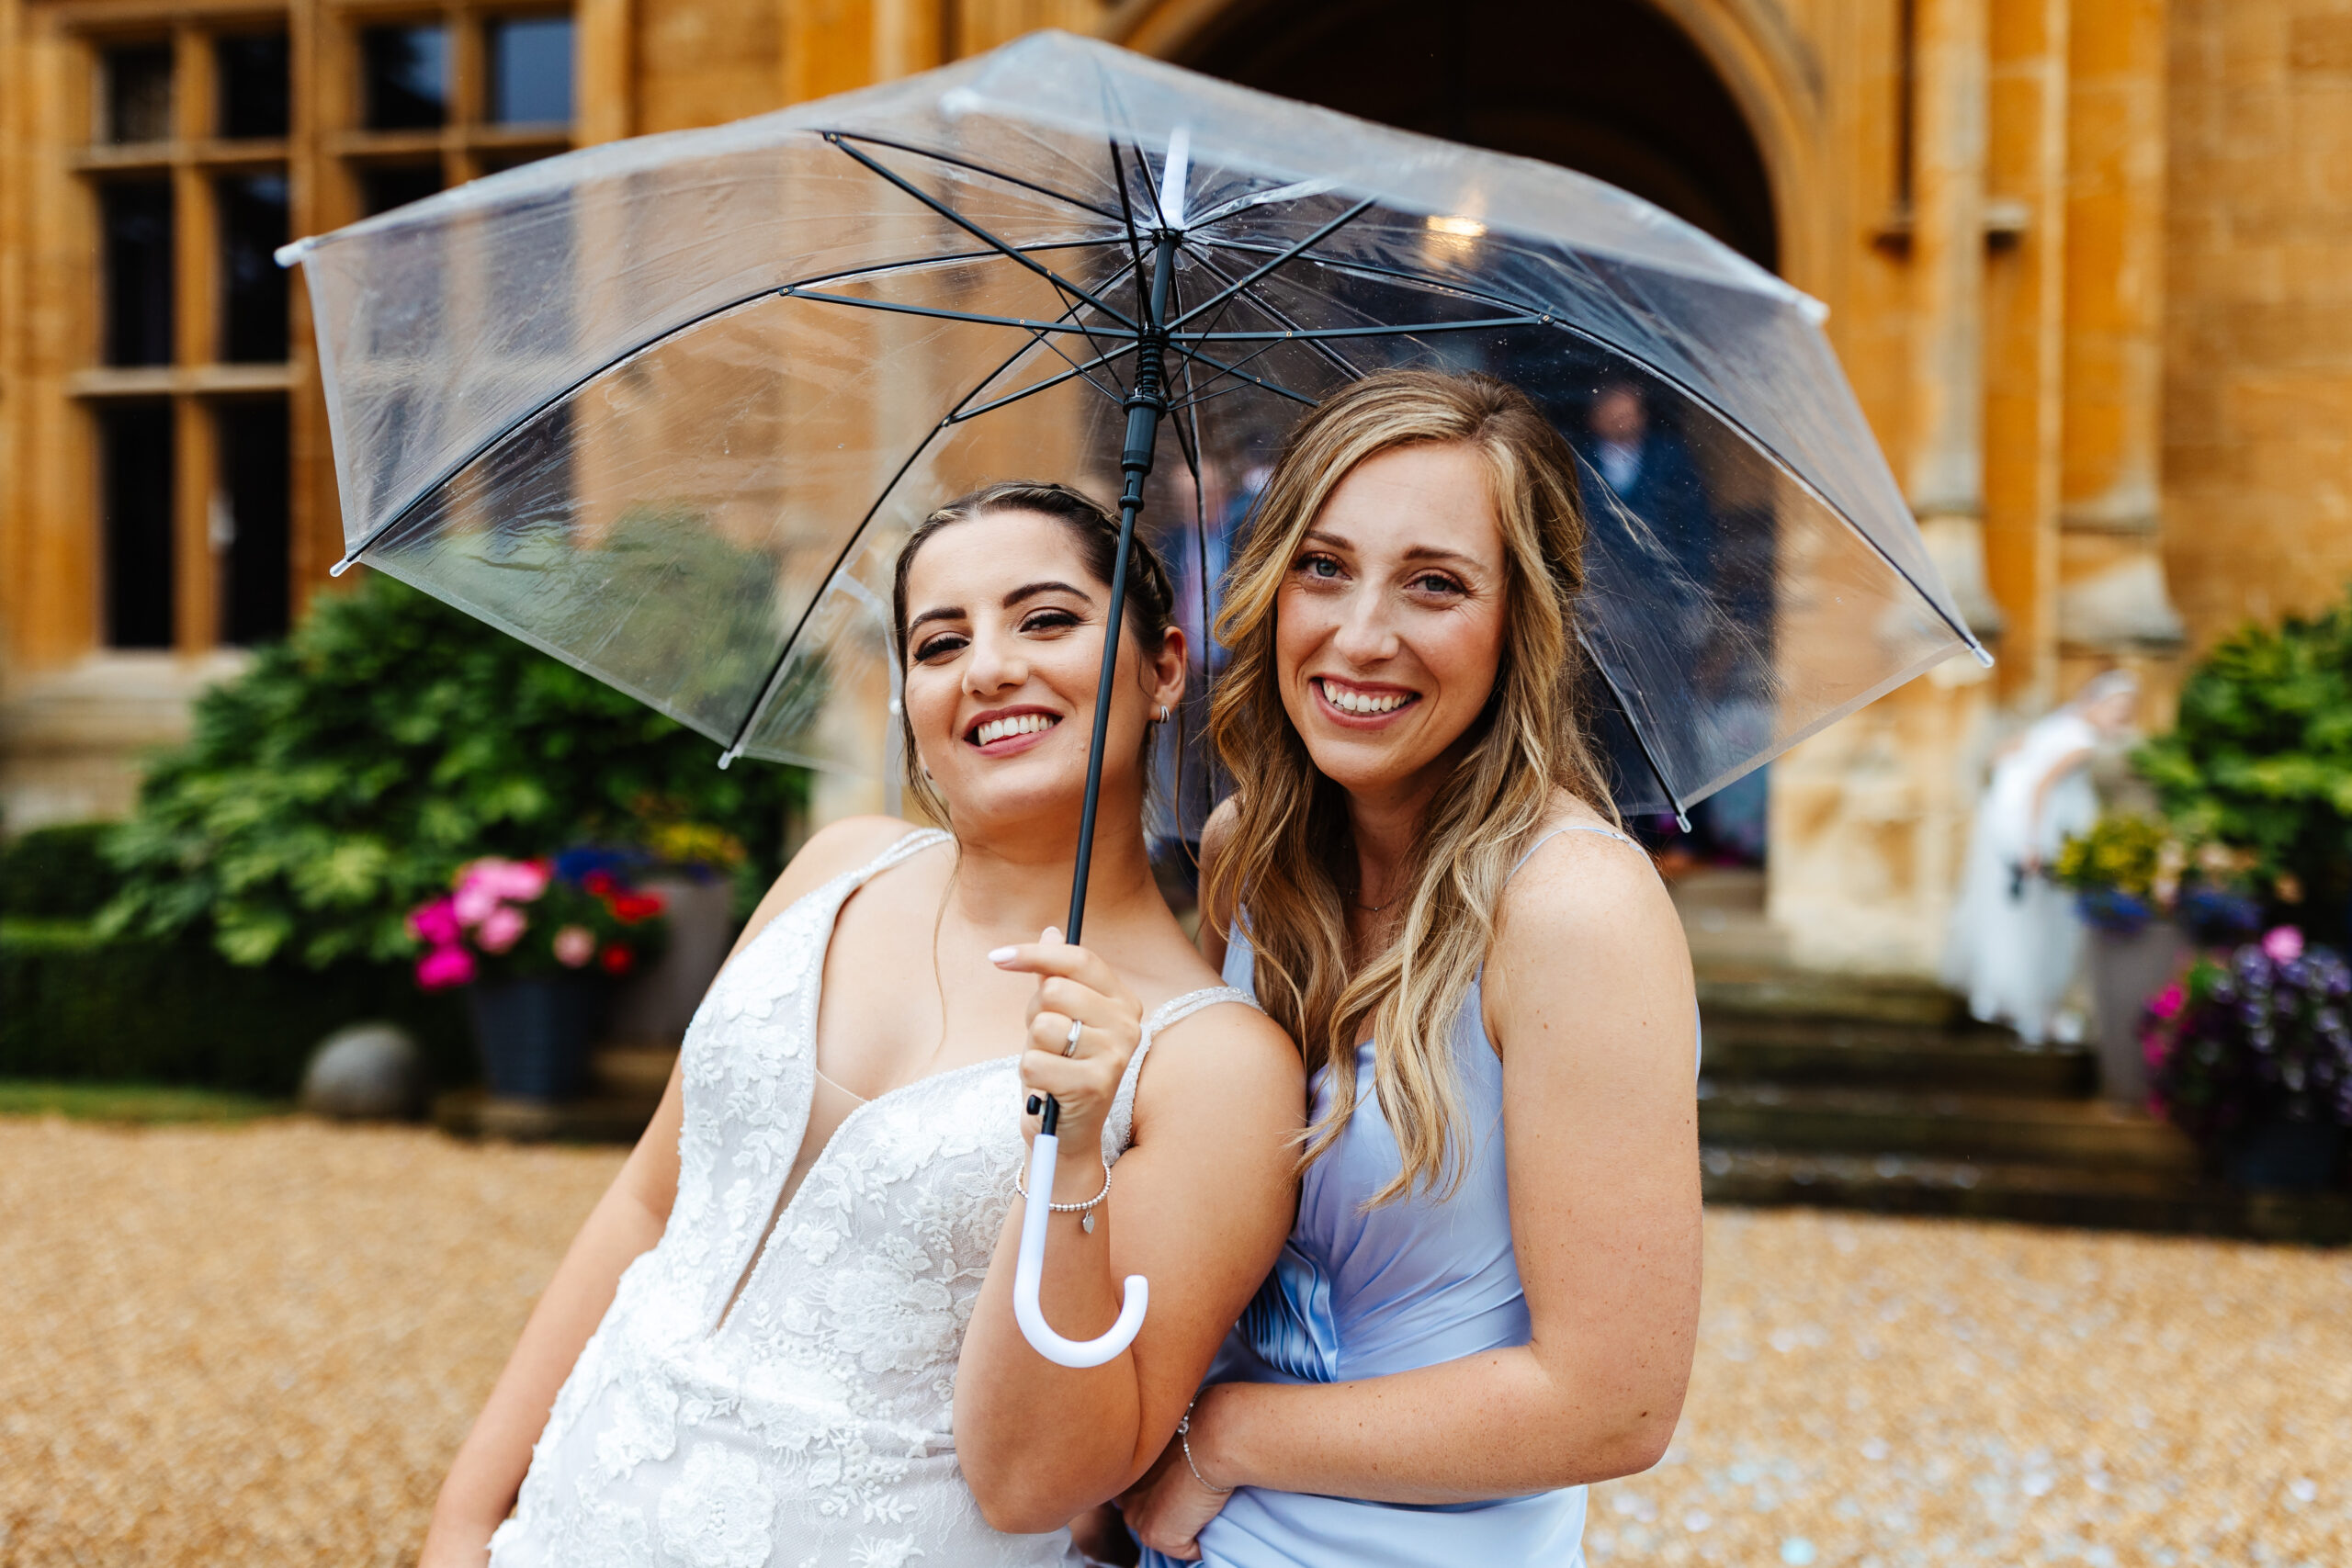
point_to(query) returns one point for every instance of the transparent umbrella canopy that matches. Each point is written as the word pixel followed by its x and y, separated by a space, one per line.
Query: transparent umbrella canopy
pixel 665 408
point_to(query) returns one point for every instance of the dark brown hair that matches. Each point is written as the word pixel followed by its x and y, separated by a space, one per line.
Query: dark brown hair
pixel 1151 599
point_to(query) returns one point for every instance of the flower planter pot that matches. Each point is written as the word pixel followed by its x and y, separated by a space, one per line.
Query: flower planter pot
pixel 534 1033
pixel 2299 1156
pixel 2125 972
pixel 653 1007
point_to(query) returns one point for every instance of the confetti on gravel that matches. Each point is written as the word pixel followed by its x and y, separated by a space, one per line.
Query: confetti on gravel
pixel 1882 1393
pixel 261 1345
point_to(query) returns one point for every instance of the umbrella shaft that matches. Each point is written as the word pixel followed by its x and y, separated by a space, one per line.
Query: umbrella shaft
pixel 1145 403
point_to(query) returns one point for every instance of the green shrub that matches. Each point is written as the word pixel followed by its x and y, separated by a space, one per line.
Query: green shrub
pixel 76 1007
pixel 57 873
pixel 2262 758
pixel 342 779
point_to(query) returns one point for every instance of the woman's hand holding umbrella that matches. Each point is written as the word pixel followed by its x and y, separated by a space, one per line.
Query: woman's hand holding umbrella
pixel 1081 1069
pixel 1084 1027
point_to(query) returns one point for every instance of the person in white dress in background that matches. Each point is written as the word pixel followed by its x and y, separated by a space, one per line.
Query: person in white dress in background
pixel 785 1335
pixel 2015 937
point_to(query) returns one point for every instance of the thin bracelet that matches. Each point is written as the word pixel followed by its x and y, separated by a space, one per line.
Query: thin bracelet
pixel 1184 1435
pixel 1020 1184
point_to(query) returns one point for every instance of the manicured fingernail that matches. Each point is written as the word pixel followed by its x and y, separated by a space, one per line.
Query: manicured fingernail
pixel 1053 935
pixel 1003 954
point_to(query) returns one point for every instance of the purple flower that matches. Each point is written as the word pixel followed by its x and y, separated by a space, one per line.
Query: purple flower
pixel 2283 943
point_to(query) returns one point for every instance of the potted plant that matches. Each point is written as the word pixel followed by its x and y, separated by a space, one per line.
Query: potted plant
pixel 694 866
pixel 2251 1053
pixel 536 941
pixel 2146 889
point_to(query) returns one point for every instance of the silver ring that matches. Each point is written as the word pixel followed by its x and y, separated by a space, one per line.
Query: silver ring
pixel 1070 1047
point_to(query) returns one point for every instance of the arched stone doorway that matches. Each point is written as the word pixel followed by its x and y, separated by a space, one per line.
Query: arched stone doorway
pixel 1611 88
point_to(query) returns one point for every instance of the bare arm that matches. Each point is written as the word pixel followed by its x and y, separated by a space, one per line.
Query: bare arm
pixel 1202 1202
pixel 1590 993
pixel 626 1222
pixel 489 1466
pixel 2064 765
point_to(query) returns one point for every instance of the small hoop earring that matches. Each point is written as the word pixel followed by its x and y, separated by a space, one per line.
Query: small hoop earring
pixel 1163 712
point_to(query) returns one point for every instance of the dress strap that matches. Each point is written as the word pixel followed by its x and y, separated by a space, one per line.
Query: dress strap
pixel 904 848
pixel 1571 827
pixel 1119 1127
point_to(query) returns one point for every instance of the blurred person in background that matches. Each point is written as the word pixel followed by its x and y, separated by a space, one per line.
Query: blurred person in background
pixel 2015 937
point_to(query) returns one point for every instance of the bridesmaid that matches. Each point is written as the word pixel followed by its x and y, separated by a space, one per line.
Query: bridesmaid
pixel 1490 1294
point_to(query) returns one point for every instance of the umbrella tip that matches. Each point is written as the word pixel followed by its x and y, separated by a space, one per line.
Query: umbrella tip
pixel 339 568
pixel 1984 659
pixel 1681 821
pixel 726 758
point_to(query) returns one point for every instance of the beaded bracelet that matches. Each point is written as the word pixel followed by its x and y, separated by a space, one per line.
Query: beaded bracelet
pixel 1020 1184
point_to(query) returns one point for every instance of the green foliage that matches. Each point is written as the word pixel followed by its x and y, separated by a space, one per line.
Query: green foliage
pixel 57 873
pixel 76 1007
pixel 138 1105
pixel 342 779
pixel 2262 758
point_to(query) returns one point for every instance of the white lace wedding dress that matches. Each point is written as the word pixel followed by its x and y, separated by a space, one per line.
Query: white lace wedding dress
pixel 812 1424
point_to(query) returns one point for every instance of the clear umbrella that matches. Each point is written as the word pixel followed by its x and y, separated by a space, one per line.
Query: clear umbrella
pixel 666 408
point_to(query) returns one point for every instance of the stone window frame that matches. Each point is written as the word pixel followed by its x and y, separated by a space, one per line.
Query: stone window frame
pixel 324 153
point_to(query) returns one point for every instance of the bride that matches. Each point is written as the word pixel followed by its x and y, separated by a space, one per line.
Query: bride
pixel 785 1335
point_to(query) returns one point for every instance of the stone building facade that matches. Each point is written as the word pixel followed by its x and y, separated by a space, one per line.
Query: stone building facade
pixel 2088 262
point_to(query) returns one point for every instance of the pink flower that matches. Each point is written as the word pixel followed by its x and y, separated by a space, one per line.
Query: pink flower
pixel 501 928
pixel 574 945
pixel 2283 943
pixel 482 884
pixel 2168 1002
pixel 444 967
pixel 434 923
pixel 475 898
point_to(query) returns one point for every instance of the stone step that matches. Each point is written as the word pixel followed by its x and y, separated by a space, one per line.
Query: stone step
pixel 1742 1046
pixel 1940 1124
pixel 1764 990
pixel 2033 1193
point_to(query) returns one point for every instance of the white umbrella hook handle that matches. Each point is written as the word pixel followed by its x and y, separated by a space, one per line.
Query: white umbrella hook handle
pixel 1030 1268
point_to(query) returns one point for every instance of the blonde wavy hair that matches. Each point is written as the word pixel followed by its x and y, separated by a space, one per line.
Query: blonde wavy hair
pixel 1291 826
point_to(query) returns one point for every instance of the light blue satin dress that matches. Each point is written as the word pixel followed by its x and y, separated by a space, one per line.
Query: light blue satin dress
pixel 1365 1293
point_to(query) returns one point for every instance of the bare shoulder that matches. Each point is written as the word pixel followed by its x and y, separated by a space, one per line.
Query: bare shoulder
pixel 832 849
pixel 1586 908
pixel 1228 1060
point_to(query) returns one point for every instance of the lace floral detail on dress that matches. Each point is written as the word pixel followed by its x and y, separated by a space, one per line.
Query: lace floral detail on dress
pixel 811 1421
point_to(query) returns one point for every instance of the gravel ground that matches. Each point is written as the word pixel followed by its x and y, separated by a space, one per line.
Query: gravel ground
pixel 260 1345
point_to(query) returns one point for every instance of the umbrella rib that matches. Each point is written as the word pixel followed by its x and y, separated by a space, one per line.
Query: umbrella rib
pixel 1050 382
pixel 1402 328
pixel 1196 396
pixel 376 535
pixel 784 653
pixel 1296 251
pixel 1328 355
pixel 1673 797
pixel 1275 386
pixel 1374 269
pixel 1060 283
pixel 935 312
pixel 1062 197
pixel 1127 217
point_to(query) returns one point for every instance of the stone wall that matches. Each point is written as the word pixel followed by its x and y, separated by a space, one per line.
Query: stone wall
pixel 2257 436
